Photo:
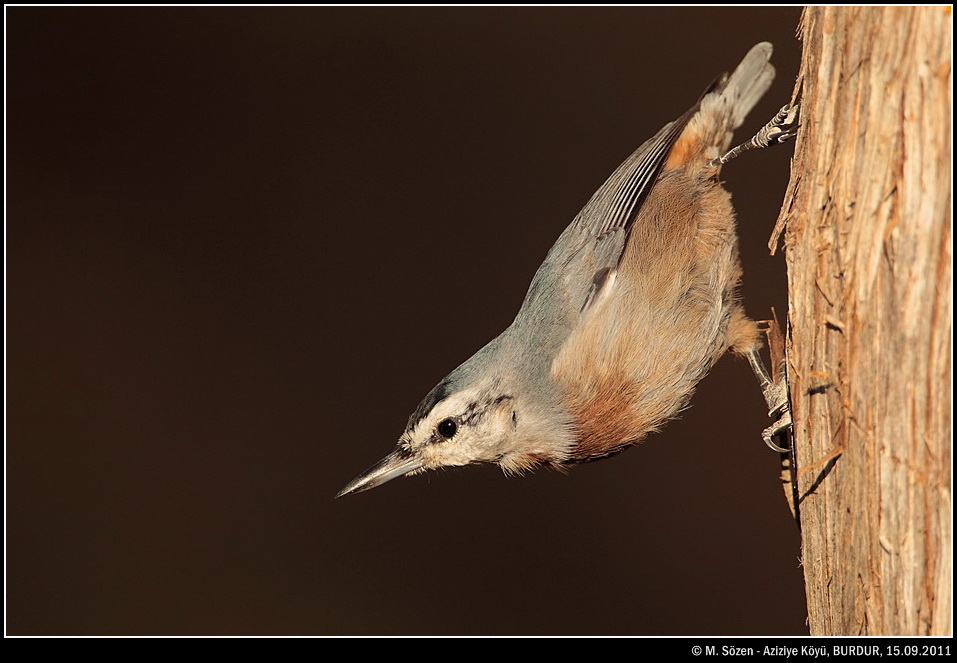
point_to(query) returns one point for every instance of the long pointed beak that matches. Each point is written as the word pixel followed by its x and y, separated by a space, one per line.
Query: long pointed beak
pixel 387 469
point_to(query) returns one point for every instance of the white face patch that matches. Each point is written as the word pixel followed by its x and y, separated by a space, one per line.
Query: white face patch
pixel 491 425
pixel 482 423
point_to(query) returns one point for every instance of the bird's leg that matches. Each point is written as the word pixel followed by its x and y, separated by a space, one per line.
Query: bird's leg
pixel 776 396
pixel 782 128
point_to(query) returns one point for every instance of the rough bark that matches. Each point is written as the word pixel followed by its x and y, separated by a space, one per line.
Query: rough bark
pixel 867 239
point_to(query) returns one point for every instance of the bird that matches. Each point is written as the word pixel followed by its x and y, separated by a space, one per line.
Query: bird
pixel 633 305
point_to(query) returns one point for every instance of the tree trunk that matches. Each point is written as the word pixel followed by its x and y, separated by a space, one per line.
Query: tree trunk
pixel 868 248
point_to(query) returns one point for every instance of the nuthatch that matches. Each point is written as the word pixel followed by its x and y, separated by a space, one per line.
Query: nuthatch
pixel 633 305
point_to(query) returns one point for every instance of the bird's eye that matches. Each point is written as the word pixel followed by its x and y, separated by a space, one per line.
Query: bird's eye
pixel 447 428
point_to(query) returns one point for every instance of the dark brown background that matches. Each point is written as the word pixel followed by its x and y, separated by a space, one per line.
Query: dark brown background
pixel 243 244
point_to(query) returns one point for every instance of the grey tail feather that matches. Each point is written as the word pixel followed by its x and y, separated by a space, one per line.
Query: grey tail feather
pixel 750 81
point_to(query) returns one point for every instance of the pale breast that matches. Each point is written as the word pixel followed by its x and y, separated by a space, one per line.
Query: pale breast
pixel 636 356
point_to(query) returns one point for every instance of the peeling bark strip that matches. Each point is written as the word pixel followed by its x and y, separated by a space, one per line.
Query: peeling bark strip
pixel 868 248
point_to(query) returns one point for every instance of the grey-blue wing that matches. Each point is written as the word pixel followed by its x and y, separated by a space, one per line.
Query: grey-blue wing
pixel 591 246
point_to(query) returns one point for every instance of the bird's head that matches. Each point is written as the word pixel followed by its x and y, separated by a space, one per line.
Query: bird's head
pixel 466 420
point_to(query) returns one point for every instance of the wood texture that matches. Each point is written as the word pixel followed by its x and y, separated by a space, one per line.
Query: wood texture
pixel 868 246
